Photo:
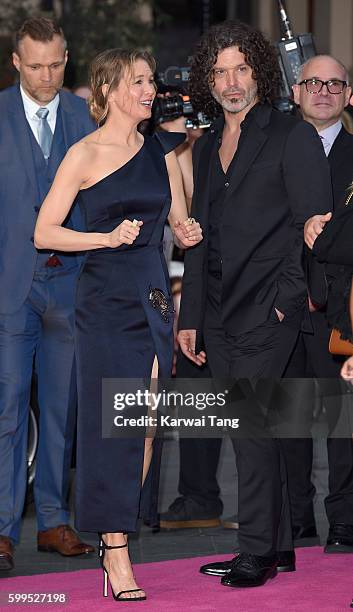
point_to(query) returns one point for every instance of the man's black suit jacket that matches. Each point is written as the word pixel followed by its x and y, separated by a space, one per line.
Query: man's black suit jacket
pixel 280 178
pixel 334 245
pixel 341 163
pixel 340 160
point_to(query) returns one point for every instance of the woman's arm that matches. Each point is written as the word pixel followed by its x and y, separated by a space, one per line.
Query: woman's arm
pixel 184 156
pixel 186 232
pixel 49 234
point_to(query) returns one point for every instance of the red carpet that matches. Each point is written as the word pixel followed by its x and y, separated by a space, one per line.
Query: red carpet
pixel 321 582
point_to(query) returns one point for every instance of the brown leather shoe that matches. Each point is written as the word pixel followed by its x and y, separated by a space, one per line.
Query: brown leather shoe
pixel 6 553
pixel 64 540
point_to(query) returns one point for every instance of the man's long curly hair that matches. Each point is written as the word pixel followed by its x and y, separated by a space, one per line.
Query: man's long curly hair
pixel 259 54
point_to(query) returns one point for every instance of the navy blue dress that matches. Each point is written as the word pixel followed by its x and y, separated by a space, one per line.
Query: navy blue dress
pixel 119 333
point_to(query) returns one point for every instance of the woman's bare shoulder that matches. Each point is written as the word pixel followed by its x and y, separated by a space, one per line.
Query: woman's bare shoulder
pixel 82 152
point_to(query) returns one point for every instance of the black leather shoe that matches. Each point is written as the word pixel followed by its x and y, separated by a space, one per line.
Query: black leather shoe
pixel 285 563
pixel 299 532
pixel 340 539
pixel 185 513
pixel 218 568
pixel 250 571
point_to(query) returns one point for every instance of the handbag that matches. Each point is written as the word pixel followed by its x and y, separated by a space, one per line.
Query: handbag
pixel 338 346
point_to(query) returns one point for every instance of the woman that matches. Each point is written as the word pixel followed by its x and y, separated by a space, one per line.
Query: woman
pixel 128 185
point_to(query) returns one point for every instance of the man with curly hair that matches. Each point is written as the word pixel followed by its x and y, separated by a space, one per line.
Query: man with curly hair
pixel 259 175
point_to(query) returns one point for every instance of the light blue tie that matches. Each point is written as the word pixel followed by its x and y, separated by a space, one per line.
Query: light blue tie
pixel 45 134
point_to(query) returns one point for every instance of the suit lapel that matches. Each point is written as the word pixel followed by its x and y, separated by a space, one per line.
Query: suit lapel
pixel 69 121
pixel 339 160
pixel 202 187
pixel 20 127
pixel 72 134
pixel 338 149
pixel 254 141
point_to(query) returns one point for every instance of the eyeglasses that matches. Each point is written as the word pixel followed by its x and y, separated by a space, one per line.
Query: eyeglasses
pixel 334 86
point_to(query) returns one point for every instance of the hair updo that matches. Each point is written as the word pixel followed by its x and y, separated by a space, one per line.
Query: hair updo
pixel 108 68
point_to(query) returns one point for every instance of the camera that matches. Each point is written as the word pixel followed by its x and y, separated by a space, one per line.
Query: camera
pixel 175 101
pixel 293 51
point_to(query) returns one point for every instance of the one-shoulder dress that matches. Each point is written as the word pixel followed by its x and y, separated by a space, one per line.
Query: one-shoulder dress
pixel 119 332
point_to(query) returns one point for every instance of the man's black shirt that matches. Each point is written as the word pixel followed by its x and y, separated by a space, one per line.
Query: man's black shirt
pixel 218 189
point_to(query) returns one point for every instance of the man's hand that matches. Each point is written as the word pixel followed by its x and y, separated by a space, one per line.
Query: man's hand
pixel 187 233
pixel 176 125
pixel 279 314
pixel 314 226
pixel 313 307
pixel 347 370
pixel 187 343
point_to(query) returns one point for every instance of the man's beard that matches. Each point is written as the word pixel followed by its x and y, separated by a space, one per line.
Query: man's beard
pixel 237 104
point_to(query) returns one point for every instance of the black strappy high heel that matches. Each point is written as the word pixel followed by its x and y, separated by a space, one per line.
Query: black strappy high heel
pixel 117 596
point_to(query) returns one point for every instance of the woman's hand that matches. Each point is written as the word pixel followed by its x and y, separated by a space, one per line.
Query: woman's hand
pixel 314 226
pixel 187 233
pixel 347 370
pixel 125 233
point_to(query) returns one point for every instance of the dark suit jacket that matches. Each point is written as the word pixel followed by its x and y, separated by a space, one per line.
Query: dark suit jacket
pixel 341 164
pixel 334 247
pixel 19 197
pixel 280 178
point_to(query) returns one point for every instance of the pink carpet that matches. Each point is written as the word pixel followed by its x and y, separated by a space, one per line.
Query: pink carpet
pixel 321 582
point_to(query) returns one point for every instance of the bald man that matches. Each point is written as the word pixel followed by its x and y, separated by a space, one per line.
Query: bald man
pixel 322 93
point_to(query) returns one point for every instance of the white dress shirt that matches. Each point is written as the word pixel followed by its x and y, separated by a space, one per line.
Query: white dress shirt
pixel 329 135
pixel 31 108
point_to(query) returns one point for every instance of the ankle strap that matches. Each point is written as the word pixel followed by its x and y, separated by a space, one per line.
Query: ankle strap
pixel 106 547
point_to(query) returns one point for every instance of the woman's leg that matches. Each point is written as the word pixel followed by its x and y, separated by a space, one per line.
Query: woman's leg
pixel 118 565
pixel 150 432
pixel 117 562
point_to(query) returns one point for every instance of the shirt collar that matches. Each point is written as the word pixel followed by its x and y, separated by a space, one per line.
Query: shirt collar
pixel 330 133
pixel 251 114
pixel 31 106
pixel 218 125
